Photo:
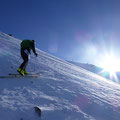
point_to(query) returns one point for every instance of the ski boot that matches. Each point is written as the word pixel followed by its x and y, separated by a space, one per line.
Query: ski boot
pixel 25 72
pixel 20 71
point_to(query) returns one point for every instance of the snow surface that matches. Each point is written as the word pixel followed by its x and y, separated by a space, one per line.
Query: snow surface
pixel 63 91
pixel 99 71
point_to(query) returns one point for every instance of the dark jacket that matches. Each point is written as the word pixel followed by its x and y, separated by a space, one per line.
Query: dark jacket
pixel 29 45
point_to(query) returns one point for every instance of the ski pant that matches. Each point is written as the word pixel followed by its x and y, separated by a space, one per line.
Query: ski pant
pixel 25 56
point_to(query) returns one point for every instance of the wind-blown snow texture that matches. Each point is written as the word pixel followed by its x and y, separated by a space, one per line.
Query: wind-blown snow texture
pixel 63 92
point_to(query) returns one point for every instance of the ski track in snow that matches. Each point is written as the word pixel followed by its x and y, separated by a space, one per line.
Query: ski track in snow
pixel 63 91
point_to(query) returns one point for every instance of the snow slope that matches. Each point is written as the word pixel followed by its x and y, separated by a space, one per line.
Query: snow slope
pixel 98 70
pixel 63 91
pixel 89 67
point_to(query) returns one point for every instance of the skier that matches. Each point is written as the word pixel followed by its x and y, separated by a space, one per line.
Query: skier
pixel 26 47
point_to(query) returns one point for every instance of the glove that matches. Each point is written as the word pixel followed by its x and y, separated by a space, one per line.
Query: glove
pixel 36 54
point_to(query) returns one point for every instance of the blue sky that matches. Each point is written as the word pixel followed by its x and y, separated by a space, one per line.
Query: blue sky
pixel 78 30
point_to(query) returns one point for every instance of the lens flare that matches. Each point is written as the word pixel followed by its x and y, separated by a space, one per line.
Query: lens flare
pixel 110 64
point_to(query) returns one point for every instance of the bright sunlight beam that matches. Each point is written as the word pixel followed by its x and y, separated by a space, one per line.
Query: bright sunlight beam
pixel 110 64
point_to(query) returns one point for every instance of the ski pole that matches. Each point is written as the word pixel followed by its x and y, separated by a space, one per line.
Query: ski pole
pixel 34 65
pixel 36 61
pixel 16 62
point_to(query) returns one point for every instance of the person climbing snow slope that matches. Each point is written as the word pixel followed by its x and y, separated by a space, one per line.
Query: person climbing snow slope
pixel 26 47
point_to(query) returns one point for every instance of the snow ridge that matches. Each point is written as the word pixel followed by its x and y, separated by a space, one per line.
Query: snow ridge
pixel 63 91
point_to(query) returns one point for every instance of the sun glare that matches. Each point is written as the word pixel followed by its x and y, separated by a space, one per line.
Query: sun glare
pixel 110 64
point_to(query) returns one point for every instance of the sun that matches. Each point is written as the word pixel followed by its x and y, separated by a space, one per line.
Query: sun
pixel 110 64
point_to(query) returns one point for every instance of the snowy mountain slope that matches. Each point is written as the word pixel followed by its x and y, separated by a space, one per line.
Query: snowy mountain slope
pixel 89 67
pixel 63 91
pixel 98 70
